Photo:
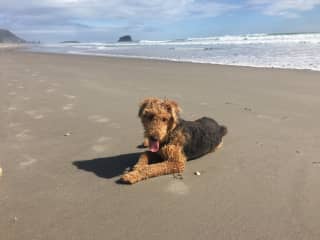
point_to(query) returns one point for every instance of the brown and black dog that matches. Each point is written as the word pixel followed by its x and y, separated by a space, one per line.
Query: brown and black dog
pixel 172 140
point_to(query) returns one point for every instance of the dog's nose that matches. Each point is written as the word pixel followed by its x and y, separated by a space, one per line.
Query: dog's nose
pixel 153 138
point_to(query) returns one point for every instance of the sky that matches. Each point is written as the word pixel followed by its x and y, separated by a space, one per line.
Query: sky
pixel 107 20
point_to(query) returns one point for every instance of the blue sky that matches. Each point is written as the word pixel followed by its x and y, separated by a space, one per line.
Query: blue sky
pixel 106 20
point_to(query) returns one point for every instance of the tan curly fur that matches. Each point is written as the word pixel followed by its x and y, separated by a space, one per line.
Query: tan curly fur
pixel 158 118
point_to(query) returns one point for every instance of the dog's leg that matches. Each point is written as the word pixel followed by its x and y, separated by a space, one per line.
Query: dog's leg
pixel 145 143
pixel 175 163
pixel 145 159
pixel 153 170
pixel 217 147
pixel 220 145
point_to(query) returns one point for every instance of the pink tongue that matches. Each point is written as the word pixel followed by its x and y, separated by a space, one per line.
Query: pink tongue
pixel 153 146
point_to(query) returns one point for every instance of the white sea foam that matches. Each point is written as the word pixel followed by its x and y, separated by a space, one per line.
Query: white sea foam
pixel 293 51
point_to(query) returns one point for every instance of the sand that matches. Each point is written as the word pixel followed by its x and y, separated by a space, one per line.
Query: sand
pixel 10 45
pixel 69 128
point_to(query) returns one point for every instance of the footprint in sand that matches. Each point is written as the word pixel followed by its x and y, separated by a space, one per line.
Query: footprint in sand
pixel 204 103
pixel 20 87
pixel 68 107
pixel 192 116
pixel 99 148
pixel 143 89
pixel 177 187
pixel 34 114
pixel 14 124
pixel 55 84
pixel 69 96
pixel 50 90
pixel 24 135
pixel 39 116
pixel 98 119
pixel 12 93
pixel 247 109
pixel 12 108
pixel 272 119
pixel 30 112
pixel 34 74
pixel 25 98
pixel 28 161
pixel 114 125
pixel 103 139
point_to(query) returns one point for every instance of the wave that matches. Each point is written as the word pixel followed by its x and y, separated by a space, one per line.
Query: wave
pixel 243 39
pixel 297 51
pixel 306 66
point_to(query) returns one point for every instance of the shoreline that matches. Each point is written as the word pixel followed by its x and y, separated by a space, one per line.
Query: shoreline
pixel 125 57
pixel 11 45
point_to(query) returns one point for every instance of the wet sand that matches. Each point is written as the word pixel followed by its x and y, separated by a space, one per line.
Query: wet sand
pixel 69 128
pixel 10 45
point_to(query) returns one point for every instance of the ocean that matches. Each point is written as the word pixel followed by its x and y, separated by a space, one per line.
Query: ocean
pixel 289 51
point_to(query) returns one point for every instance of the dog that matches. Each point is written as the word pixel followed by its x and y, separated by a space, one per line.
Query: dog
pixel 171 140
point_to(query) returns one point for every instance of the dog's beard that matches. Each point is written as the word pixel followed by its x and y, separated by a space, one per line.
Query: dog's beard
pixel 154 145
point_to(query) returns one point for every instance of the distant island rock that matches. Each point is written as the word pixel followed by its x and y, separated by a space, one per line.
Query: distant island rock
pixel 8 37
pixel 70 42
pixel 125 38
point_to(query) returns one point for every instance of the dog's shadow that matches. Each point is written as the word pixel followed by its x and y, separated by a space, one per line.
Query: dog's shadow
pixel 109 167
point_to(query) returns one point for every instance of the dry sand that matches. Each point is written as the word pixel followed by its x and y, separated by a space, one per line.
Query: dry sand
pixel 69 128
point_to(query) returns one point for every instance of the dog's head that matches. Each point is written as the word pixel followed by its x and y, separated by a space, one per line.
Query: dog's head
pixel 158 117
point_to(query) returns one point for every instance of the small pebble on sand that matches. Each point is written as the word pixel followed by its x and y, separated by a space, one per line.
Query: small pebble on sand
pixel 197 173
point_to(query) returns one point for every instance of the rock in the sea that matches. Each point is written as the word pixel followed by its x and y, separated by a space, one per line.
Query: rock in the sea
pixel 72 41
pixel 126 38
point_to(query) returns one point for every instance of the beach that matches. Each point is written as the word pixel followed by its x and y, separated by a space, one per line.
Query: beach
pixel 69 128
pixel 10 46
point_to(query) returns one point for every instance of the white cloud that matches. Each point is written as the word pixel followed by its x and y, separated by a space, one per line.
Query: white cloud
pixel 54 16
pixel 210 9
pixel 286 8
pixel 123 8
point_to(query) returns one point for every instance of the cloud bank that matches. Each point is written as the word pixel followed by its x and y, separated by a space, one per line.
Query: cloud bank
pixel 71 18
pixel 286 8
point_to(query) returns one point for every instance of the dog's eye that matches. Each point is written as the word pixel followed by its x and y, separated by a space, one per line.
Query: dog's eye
pixel 164 119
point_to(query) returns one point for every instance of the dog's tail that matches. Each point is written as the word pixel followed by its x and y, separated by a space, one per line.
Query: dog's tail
pixel 223 130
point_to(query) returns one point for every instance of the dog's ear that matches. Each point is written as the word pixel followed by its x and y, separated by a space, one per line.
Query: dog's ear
pixel 144 104
pixel 173 108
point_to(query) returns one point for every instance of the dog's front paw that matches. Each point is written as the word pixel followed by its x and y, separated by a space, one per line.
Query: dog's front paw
pixel 131 177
